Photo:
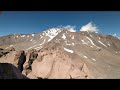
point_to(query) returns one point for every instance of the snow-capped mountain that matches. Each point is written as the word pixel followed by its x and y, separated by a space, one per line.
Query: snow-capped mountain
pixel 79 54
pixel 35 40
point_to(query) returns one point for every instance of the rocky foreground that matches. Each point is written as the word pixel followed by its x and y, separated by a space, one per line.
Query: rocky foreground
pixel 44 64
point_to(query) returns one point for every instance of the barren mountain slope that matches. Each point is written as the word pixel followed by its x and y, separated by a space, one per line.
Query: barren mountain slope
pixel 60 53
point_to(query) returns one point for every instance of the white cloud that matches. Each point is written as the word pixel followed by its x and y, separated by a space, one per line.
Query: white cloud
pixel 89 27
pixel 69 28
pixel 115 34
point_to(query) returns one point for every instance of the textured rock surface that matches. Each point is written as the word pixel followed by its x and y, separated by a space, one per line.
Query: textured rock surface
pixel 16 58
pixel 3 52
pixel 55 64
pixel 30 57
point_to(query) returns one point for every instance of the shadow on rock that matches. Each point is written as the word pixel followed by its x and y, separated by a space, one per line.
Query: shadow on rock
pixel 9 71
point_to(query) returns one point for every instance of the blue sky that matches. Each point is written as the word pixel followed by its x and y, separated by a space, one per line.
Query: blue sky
pixel 108 22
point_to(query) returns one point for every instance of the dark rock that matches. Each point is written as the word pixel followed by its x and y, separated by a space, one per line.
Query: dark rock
pixel 9 71
pixel 32 57
pixel 3 52
pixel 21 61
pixel 1 49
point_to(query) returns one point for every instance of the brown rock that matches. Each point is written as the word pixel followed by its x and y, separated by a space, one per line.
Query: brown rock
pixel 31 76
pixel 3 52
pixel 11 49
pixel 30 57
pixel 16 58
pixel 59 67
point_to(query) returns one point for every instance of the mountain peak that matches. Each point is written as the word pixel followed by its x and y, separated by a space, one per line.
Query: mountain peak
pixel 51 33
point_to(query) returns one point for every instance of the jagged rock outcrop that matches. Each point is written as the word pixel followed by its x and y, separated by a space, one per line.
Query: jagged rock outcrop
pixel 21 59
pixel 30 57
pixel 16 58
pixel 3 52
pixel 9 71
pixel 53 63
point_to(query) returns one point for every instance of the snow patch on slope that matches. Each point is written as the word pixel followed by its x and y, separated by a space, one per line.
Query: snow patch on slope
pixel 85 57
pixel 51 33
pixel 102 43
pixel 93 59
pixel 72 37
pixel 31 40
pixel 108 44
pixel 73 44
pixel 41 36
pixel 90 41
pixel 68 44
pixel 23 36
pixel 68 50
pixel 83 42
pixel 31 47
pixel 33 35
pixel 37 46
pixel 64 37
pixel 91 35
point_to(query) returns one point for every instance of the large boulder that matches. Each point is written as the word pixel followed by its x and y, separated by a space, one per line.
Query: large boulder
pixel 16 58
pixel 9 71
pixel 55 64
